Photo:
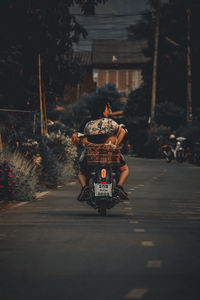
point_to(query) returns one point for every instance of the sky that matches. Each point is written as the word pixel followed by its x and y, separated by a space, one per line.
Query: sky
pixel 111 20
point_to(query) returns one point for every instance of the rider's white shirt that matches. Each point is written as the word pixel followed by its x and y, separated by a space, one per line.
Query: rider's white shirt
pixel 102 126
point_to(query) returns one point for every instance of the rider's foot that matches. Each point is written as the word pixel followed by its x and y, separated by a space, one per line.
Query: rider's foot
pixel 85 189
pixel 120 191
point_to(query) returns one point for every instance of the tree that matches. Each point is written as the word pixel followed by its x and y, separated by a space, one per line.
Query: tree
pixel 75 114
pixel 172 71
pixel 42 26
pixel 169 114
pixel 136 113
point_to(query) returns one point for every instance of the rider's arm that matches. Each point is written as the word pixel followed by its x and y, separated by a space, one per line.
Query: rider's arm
pixel 120 135
pixel 75 139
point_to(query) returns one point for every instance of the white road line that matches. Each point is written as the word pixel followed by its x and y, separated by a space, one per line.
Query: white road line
pixel 37 195
pixel 72 209
pixel 20 204
pixel 138 230
pixel 42 194
pixel 133 222
pixel 151 264
pixel 136 293
pixel 147 243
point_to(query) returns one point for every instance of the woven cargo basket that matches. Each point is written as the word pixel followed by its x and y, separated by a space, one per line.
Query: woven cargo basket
pixel 102 155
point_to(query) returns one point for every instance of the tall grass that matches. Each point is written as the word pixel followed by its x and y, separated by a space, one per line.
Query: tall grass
pixel 24 173
pixel 59 156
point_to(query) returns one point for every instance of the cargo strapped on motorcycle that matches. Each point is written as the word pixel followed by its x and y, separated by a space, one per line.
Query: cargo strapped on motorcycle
pixel 97 155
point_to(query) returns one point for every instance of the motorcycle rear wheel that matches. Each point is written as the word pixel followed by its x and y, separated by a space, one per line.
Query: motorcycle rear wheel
pixel 169 156
pixel 180 156
pixel 102 211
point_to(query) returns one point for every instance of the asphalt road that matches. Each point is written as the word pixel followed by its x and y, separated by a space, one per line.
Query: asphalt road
pixel 147 248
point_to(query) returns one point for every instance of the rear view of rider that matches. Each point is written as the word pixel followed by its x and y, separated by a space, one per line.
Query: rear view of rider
pixel 172 141
pixel 101 130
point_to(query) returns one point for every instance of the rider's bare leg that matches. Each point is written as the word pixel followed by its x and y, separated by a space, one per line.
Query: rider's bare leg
pixel 82 179
pixel 124 172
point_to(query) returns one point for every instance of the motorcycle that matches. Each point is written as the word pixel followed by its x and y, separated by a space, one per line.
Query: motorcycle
pixel 176 152
pixel 180 149
pixel 103 162
pixel 103 178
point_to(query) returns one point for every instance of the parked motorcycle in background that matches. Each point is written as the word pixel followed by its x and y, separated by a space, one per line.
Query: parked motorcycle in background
pixel 180 149
pixel 175 149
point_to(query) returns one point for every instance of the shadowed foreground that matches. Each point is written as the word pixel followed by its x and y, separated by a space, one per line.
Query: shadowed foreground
pixel 148 248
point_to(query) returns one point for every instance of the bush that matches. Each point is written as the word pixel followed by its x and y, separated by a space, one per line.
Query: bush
pixel 192 132
pixel 157 137
pixel 169 114
pixel 22 174
pixel 77 113
pixel 136 114
pixel 58 157
pixel 7 184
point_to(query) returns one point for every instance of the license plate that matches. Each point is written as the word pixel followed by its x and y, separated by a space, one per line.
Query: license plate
pixel 103 190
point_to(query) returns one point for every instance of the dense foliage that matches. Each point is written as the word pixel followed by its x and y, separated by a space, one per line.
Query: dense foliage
pixel 170 110
pixel 172 65
pixel 17 176
pixel 75 114
pixel 41 26
pixel 7 184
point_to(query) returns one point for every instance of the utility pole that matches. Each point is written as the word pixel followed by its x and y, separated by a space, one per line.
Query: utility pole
pixel 45 111
pixel 40 93
pixel 155 62
pixel 189 72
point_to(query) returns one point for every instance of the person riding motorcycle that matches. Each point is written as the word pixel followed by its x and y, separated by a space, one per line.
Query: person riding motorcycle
pixel 101 130
pixel 172 141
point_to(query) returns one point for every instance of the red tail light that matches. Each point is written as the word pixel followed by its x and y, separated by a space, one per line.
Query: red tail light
pixel 103 173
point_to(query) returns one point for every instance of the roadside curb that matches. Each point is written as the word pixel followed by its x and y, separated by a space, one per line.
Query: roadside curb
pixel 12 205
pixel 39 195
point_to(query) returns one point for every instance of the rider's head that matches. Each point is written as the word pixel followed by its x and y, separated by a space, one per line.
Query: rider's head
pixel 100 108
pixel 172 136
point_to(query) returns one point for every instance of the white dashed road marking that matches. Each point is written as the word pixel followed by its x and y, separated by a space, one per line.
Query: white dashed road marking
pixel 136 293
pixel 147 243
pixel 154 264
pixel 138 230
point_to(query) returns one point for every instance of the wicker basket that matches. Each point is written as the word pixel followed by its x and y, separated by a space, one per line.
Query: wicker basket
pixel 102 155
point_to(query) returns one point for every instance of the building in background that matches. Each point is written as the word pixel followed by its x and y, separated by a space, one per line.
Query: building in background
pixel 110 61
pixel 119 62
